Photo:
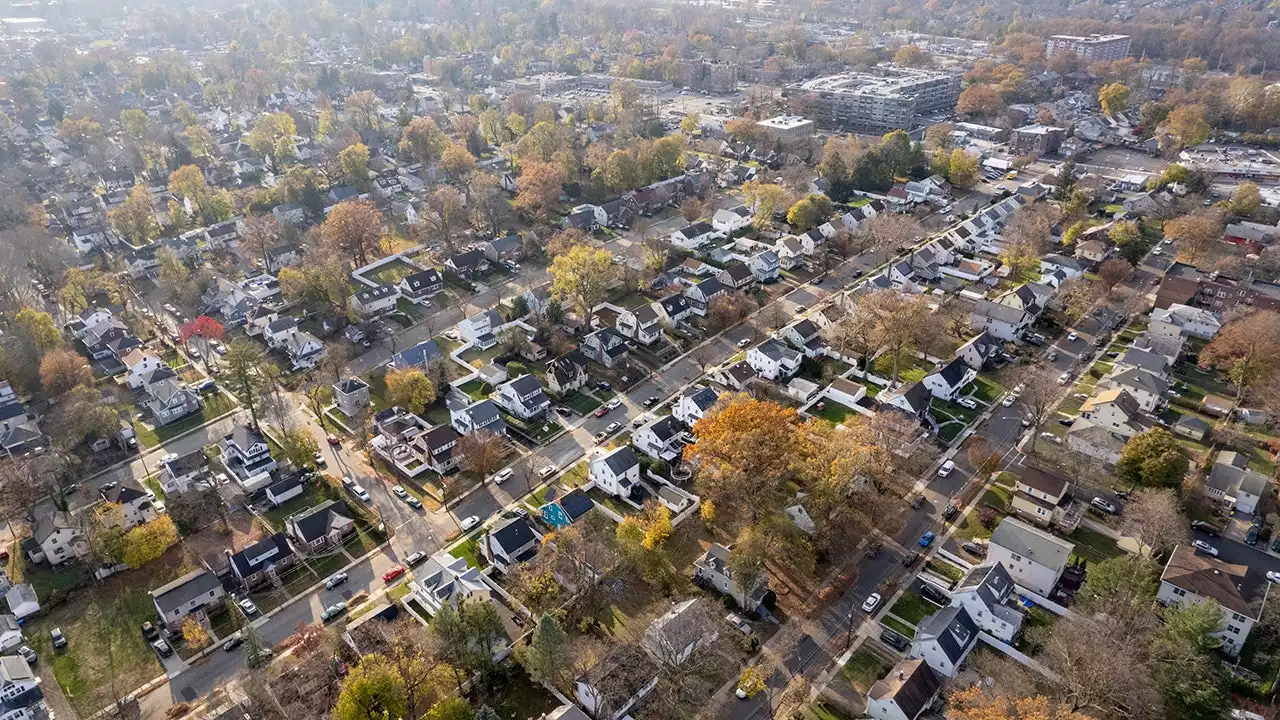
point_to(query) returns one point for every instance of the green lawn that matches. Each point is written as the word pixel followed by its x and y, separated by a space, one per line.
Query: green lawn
pixel 948 570
pixel 997 497
pixel 985 391
pixel 468 549
pixel 954 411
pixel 912 608
pixel 950 431
pixel 899 627
pixel 832 411
pixel 476 389
pixel 580 402
pixel 575 476
pixel 313 493
pixel 864 669
pixel 1094 546
pixel 540 431
pixel 325 566
pixel 215 404
pixel 971 529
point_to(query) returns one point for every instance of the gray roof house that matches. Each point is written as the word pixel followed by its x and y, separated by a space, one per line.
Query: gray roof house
pixel 944 639
pixel 190 594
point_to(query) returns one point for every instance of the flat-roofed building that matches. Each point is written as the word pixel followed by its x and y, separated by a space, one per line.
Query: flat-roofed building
pixel 1093 48
pixel 883 99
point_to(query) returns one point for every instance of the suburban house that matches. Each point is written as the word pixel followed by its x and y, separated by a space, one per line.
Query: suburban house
pixel 169 401
pixel 1096 441
pixel 1116 410
pixel 980 351
pixel 447 580
pixel 913 399
pixel 1033 558
pixel 790 252
pixel 422 284
pixel 20 695
pixel 1184 320
pixel 303 348
pixel 613 688
pixel 321 527
pixel 909 689
pixel 1069 266
pixel 1191 577
pixel 998 320
pixel 467 264
pixel 282 491
pixel 773 360
pixel 1041 496
pixel 736 275
pixel 804 336
pixel 351 396
pixel 944 639
pixel 673 638
pixel 713 569
pixel 190 594
pixel 422 356
pixel 412 446
pixel 246 454
pixel 510 541
pixel 692 237
pixel 947 382
pixel 467 417
pixel 182 470
pixel 1233 483
pixel 616 472
pixel 766 266
pixel 987 594
pixel 22 600
pixel 727 222
pixel 374 301
pixel 262 561
pixel 10 633
pixel 606 346
pixel 479 329
pixel 567 372
pixel 523 397
pixel 673 308
pixel 702 293
pixel 1152 362
pixel 1146 388
pixel 641 324
pixel 659 438
pixel 58 537
pixel 140 363
pixel 693 404
pixel 136 507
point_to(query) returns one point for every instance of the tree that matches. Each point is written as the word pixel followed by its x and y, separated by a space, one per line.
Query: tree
pixel 564 240
pixel 887 232
pixel 982 457
pixel 274 135
pixel 203 327
pixel 980 100
pixel 547 656
pixel 457 163
pixel 149 541
pixel 410 388
pixel 241 375
pixel 1038 400
pixel 809 212
pixel 582 276
pixel 1184 657
pixel 729 308
pixel 194 633
pixel 1247 349
pixel 1187 126
pixel 135 122
pixel 1245 200
pixel 422 141
pixel 1194 235
pixel 620 171
pixel 962 168
pixel 976 703
pixel 298 446
pixel 362 110
pixel 373 690
pixel 135 219
pixel 187 182
pixel 483 453
pixel 63 369
pixel 354 228
pixel 538 188
pixel 1114 98
pixel 1152 458
pixel 1113 272
pixel 690 123
pixel 37 328
pixel 764 198
pixel 1155 519
pixel 354 161
pixel 691 208
pixel 911 56
pixel 451 708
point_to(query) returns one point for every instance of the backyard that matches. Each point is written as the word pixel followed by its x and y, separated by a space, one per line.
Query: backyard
pixel 864 668
pixel 1094 546
pixel 831 411
pixel 215 404
pixel 912 607
pixel 392 272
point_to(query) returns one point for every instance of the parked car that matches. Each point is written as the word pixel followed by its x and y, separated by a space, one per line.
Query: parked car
pixel 564 410
pixel 967 403
pixel 601 411
pixel 947 468
pixel 1273 576
pixel 232 643
pixel 247 606
pixel 207 385
pixel 320 461
pixel 162 648
pixel 1204 547
pixel 742 625
pixel 1251 537
pixel 1072 336
pixel 871 603
pixel 59 640
pixel 651 401
pixel 744 342
pixel 28 654
pixel 910 558
pixel 333 611
pixel 604 385
pixel 335 580
pixel 930 592
pixel 546 471
pixel 1064 378
pixel 927 539
pixel 614 404
pixel 895 641
pixel 149 631
pixel 1207 528
pixel 361 493
pixel 502 476
pixel 974 548
pixel 950 511
pixel 333 440
pixel 612 428
pixel 393 573
pixel 1104 505
pixel 1051 438
pixel 469 522
pixel 1009 400
pixel 415 558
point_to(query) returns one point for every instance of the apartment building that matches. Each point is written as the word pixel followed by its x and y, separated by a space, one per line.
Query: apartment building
pixel 1094 48
pixel 881 100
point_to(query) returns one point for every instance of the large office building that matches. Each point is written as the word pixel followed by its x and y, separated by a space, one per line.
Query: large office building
pixel 786 128
pixel 884 99
pixel 710 75
pixel 1094 48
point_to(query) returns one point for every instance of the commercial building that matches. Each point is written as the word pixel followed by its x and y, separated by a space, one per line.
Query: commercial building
pixel 1094 48
pixel 786 128
pixel 709 75
pixel 880 100
pixel 1037 139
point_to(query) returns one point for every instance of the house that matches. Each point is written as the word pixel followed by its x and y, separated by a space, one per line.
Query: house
pixel 303 349
pixel 1190 577
pixel 1184 320
pixel 702 293
pixel 673 638
pixel 693 404
pixel 606 346
pixel 987 594
pixel 567 372
pixel 736 275
pixel 191 594
pixel 944 639
pixel 946 384
pixel 619 213
pixel 727 222
pixel 692 237
pixel 20 695
pixel 586 218
pixel 998 320
pixel 10 633
pixel 980 351
pixel 613 688
pixel 913 399
pixel 510 541
pixel 1115 410
pixel 136 507
pixel 774 361
pixel 673 309
pixel 351 396
pixel 1232 482
pixel 467 417
pixel 1034 558
pixel 279 493
pixel 766 266
pixel 262 561
pixel 804 336
pixel 523 397
pixel 467 264
pixel 180 471
pixel 60 538
pixel 141 262
pixel 1041 496
pixel 790 252
pixel 508 247
pixel 246 454
pixel 22 600
pixel 480 329
pixel 422 284
pixel 374 301
pixel 659 438
pixel 412 446
pixel 169 401
pixel 1146 388
pixel 447 580
pixel 321 527
pixel 1153 363
pixel 140 363
pixel 909 689
pixel 1068 266
pixel 713 569
pixel 616 472
pixel 641 324
pixel 1192 427
pixel 736 375
pixel 1096 441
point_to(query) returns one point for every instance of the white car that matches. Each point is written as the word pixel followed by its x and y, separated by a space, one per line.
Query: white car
pixel 1072 336
pixel 1064 378
pixel 1157 252
pixel 502 476
pixel 744 342
pixel 1104 505
pixel 249 608
pixel 360 493
pixel 1273 576
pixel 1205 547
pixel 1051 438
pixel 612 428
pixel 1009 400
pixel 946 468
pixel 614 404
pixel 871 603
pixel 546 471
pixel 469 522
pixel 967 403
pixel 335 580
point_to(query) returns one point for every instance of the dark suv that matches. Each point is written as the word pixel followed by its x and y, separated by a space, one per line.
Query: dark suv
pixel 894 640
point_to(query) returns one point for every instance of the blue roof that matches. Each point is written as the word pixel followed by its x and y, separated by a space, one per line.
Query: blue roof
pixel 420 355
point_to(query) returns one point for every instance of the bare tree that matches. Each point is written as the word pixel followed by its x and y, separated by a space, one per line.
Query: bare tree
pixel 1155 519
pixel 482 453
pixel 1038 400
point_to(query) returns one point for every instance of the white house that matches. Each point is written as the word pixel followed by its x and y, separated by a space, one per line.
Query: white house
pixel 641 324
pixel 1190 577
pixel 467 417
pixel 909 689
pixel 765 265
pixel 701 294
pixel 58 537
pixel 659 438
pixel 1033 558
pixel 986 592
pixel 692 237
pixel 169 401
pixel 998 320
pixel 693 404
pixel 773 360
pixel 1144 387
pixel 375 301
pixel 1233 483
pixel 567 372
pixel 944 639
pixel 136 507
pixel 947 382
pixel 1116 410
pixel 447 580
pixel 481 328
pixel 1184 320
pixel 140 363
pixel 613 688
pixel 845 391
pixel 727 222
pixel 246 454
pixel 22 600
pixel 20 695
pixel 190 594
pixel 523 397
pixel 616 472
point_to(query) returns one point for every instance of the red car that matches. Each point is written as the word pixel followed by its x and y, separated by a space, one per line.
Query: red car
pixel 393 573
pixel 601 411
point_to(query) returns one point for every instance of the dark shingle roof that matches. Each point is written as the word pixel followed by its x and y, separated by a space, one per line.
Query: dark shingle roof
pixel 192 585
pixel 621 460
pixel 512 534
pixel 244 560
